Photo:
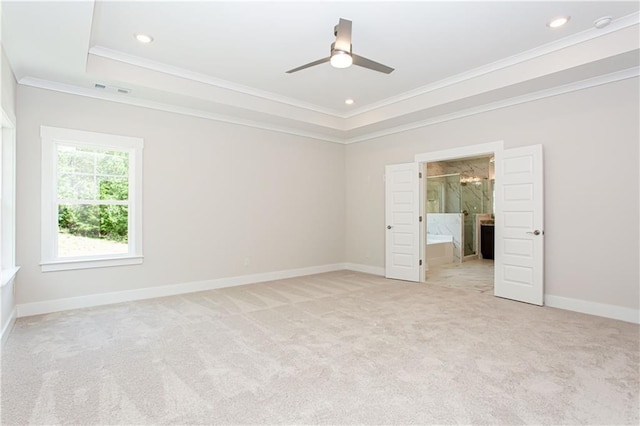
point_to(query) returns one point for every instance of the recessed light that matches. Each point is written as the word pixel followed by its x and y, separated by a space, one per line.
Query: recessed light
pixel 602 22
pixel 144 38
pixel 349 101
pixel 558 21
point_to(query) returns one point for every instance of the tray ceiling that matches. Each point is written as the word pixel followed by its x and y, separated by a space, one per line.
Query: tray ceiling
pixel 227 60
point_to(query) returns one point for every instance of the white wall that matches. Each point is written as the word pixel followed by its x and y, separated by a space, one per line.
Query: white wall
pixel 214 194
pixel 591 156
pixel 8 91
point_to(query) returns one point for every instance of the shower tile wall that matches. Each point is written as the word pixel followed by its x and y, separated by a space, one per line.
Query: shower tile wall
pixel 472 197
pixel 452 203
pixel 447 224
pixel 475 200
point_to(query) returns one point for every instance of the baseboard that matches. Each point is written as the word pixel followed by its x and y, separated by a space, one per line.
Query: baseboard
pixel 7 327
pixel 593 308
pixel 367 269
pixel 57 305
pixel 37 308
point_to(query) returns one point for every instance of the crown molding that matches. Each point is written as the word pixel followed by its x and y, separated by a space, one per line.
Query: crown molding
pixel 129 100
pixel 115 55
pixel 572 40
pixel 545 49
pixel 534 96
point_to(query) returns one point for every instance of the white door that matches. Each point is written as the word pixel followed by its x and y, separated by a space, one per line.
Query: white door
pixel 519 233
pixel 402 212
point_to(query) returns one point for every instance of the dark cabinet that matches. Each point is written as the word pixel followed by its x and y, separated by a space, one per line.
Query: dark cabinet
pixel 487 241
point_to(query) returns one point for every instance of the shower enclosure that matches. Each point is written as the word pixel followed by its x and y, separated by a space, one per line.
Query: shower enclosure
pixel 460 193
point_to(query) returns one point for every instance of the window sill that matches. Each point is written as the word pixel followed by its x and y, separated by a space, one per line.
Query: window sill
pixel 71 264
pixel 8 274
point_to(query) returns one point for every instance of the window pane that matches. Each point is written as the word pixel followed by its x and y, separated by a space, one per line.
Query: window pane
pixel 113 188
pixel 112 163
pixel 76 187
pixel 92 174
pixel 71 159
pixel 89 230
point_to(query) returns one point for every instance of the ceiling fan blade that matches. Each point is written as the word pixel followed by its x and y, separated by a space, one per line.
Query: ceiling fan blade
pixel 372 65
pixel 310 64
pixel 343 35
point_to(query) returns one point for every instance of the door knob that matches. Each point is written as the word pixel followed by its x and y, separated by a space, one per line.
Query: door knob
pixel 535 232
pixel 388 226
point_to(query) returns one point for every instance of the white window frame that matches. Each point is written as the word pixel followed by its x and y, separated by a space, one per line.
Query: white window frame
pixel 51 137
pixel 8 201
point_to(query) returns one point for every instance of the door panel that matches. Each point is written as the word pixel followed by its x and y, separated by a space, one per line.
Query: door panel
pixel 519 250
pixel 402 210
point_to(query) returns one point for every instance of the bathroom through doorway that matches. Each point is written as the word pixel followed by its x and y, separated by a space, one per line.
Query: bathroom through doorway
pixel 459 220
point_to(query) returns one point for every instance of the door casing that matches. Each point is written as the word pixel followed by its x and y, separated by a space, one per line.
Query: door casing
pixel 491 148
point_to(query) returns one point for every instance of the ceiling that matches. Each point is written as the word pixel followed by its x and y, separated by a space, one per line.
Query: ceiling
pixel 227 60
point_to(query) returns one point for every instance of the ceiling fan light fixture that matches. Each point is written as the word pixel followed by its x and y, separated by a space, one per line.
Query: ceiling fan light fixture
pixel 340 59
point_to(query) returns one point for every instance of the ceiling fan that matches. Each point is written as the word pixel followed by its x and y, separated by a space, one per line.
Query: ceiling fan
pixel 341 56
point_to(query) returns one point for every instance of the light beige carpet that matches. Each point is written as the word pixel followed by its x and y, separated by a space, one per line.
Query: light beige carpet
pixel 333 348
pixel 474 274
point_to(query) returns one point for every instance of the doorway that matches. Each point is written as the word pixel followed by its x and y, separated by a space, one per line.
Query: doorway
pixel 459 217
pixel 519 218
pixel 488 150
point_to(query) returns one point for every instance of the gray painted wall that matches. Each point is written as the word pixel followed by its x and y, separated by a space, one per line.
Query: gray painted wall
pixel 214 194
pixel 591 157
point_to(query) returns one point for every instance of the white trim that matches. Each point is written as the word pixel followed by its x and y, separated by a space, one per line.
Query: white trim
pixel 529 97
pixel 545 49
pixel 115 55
pixel 37 308
pixel 461 152
pixel 4 335
pixel 72 264
pixel 8 197
pixel 8 274
pixel 367 269
pixel 494 148
pixel 144 103
pixel 518 58
pixel 592 308
pixel 90 139
pixel 50 138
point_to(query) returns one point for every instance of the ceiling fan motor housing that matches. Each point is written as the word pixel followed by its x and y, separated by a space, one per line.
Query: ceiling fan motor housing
pixel 333 48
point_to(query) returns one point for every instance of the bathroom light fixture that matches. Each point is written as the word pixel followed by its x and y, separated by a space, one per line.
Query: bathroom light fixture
pixel 349 101
pixel 558 21
pixel 602 22
pixel 470 179
pixel 143 38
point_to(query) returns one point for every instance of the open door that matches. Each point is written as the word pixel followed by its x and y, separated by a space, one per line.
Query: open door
pixel 402 214
pixel 519 231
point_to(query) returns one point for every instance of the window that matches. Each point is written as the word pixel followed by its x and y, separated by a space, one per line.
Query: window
pixel 91 199
pixel 7 200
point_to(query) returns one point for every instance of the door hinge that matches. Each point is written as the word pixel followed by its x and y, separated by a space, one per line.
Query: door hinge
pixel 420 262
pixel 419 175
pixel 420 219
